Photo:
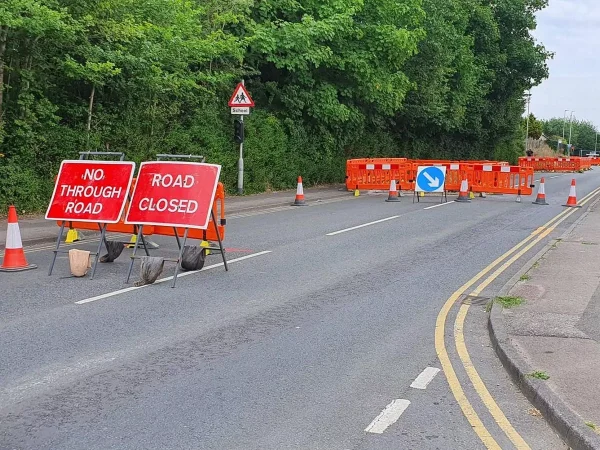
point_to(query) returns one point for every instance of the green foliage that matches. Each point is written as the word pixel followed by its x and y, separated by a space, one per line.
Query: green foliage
pixel 583 133
pixel 332 79
pixel 536 127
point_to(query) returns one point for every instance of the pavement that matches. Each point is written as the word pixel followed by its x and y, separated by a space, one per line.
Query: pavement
pixel 38 230
pixel 347 324
pixel 556 331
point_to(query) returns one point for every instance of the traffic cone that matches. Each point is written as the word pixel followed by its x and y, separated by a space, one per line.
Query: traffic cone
pixel 299 201
pixel 14 256
pixel 541 195
pixel 393 193
pixel 572 200
pixel 463 195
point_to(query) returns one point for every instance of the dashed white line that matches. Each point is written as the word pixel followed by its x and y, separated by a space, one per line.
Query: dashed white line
pixel 388 416
pixel 425 378
pixel 162 280
pixel 441 204
pixel 362 226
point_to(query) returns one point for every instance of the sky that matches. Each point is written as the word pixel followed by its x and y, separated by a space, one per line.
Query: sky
pixel 570 29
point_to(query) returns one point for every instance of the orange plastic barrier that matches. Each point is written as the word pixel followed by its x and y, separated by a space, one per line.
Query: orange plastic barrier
pixel 594 160
pixel 495 179
pixel 209 234
pixel 374 173
pixel 560 164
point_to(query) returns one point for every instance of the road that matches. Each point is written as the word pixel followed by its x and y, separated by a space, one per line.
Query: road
pixel 311 340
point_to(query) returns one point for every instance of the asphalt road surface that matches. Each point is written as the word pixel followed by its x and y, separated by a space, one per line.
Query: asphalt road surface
pixel 328 332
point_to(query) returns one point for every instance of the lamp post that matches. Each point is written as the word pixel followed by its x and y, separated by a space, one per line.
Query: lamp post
pixel 570 129
pixel 564 120
pixel 596 144
pixel 527 130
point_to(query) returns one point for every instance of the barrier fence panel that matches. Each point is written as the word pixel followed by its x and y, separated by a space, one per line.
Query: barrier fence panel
pixel 376 174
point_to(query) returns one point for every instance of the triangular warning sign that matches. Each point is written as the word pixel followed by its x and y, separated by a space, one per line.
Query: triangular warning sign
pixel 241 97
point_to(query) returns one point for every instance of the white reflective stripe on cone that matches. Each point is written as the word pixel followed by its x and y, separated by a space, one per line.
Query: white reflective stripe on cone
pixel 300 189
pixel 13 236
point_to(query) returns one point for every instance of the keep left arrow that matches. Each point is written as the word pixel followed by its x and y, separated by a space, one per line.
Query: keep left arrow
pixel 433 182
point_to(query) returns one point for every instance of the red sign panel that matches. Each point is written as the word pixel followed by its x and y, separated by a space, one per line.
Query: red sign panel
pixel 170 193
pixel 240 97
pixel 91 191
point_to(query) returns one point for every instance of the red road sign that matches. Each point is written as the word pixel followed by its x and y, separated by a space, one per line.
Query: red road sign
pixel 171 193
pixel 91 191
pixel 240 97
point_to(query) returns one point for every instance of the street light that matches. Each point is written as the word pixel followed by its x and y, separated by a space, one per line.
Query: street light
pixel 596 144
pixel 564 120
pixel 527 132
pixel 570 128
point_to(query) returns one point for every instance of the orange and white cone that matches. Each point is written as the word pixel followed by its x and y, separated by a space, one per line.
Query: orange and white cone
pixel 14 256
pixel 463 195
pixel 541 195
pixel 299 201
pixel 572 200
pixel 393 193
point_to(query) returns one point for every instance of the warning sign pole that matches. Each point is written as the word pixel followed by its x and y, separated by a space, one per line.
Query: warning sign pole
pixel 241 160
pixel 240 103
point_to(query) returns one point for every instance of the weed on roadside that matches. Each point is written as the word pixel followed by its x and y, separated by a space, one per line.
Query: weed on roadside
pixel 488 306
pixel 535 265
pixel 594 427
pixel 540 375
pixel 509 301
pixel 525 277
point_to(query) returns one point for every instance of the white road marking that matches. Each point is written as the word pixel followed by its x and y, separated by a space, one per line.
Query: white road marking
pixel 362 226
pixel 555 176
pixel 441 204
pixel 162 280
pixel 425 378
pixel 388 416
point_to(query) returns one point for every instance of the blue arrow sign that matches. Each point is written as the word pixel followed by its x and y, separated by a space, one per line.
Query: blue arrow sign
pixel 430 179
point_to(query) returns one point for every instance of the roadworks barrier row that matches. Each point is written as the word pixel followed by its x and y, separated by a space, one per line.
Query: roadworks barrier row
pixel 482 176
pixel 569 164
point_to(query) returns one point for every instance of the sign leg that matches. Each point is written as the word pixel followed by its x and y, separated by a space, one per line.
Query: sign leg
pixel 177 237
pixel 139 236
pixel 144 244
pixel 60 233
pixel 181 247
pixel 102 241
pixel 214 221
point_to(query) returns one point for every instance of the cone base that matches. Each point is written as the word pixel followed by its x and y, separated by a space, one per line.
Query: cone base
pixel 299 203
pixel 392 199
pixel 18 269
pixel 573 206
pixel 462 200
pixel 542 202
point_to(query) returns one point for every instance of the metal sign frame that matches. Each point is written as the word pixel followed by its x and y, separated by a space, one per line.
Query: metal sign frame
pixel 101 226
pixel 180 244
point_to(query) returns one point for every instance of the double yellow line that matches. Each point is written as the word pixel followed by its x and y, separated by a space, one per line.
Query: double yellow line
pixel 482 432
